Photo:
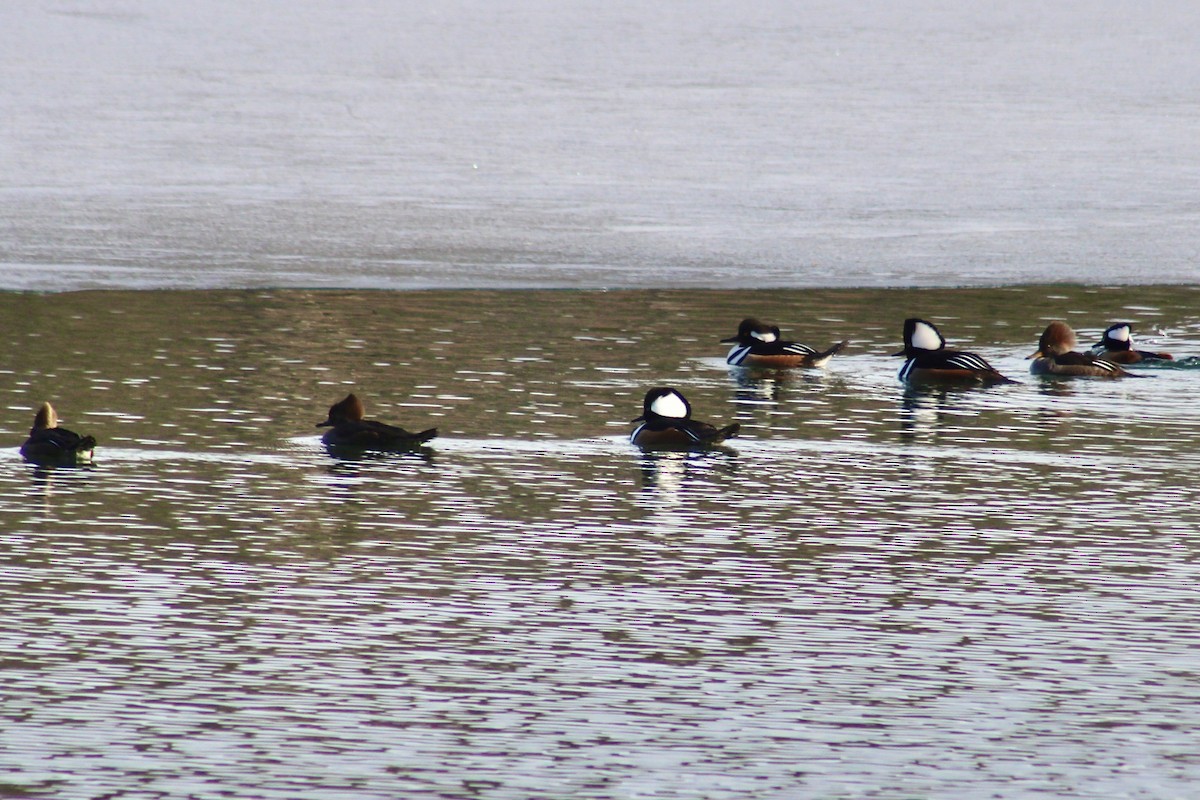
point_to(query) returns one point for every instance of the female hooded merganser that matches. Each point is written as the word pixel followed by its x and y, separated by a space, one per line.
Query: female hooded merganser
pixel 667 424
pixel 347 428
pixel 50 444
pixel 758 345
pixel 928 360
pixel 1055 356
pixel 1117 347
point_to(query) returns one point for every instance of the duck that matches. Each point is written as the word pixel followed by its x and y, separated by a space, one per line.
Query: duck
pixel 49 444
pixel 1056 356
pixel 758 345
pixel 667 424
pixel 928 361
pixel 1117 346
pixel 348 428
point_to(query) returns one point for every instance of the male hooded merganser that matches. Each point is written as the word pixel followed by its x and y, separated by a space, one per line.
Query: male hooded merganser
pixel 50 444
pixel 928 360
pixel 1117 347
pixel 667 424
pixel 349 429
pixel 758 345
pixel 1055 356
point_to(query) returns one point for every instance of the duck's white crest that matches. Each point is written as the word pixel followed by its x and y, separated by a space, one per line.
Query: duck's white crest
pixel 669 405
pixel 1121 333
pixel 926 338
pixel 763 337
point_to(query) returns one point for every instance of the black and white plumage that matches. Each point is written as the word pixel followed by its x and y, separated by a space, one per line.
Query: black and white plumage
pixel 1117 346
pixel 1055 356
pixel 928 360
pixel 759 345
pixel 49 444
pixel 667 424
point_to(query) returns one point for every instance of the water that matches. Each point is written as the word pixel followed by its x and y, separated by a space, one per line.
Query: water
pixel 476 143
pixel 874 593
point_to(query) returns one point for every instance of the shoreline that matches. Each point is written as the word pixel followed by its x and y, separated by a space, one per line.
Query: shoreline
pixel 51 280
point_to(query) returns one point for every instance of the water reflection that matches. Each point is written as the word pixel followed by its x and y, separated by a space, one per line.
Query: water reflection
pixel 347 454
pixel 758 385
pixel 923 410
pixel 665 473
pixel 50 483
pixel 1052 386
pixel 771 384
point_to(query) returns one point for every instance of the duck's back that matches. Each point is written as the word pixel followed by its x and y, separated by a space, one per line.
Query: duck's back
pixel 1076 364
pixel 57 444
pixel 375 435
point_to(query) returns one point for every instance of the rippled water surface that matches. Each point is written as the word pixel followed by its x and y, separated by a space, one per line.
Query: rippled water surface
pixel 873 593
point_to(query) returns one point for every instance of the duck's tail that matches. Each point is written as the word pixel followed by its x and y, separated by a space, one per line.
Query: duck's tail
pixel 725 433
pixel 820 359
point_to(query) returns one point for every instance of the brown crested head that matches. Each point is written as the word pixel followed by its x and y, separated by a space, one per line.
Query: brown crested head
pixel 350 409
pixel 1058 338
pixel 45 418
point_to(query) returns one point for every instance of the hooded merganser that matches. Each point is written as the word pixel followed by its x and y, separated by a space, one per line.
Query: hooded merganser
pixel 347 428
pixel 667 424
pixel 1055 356
pixel 758 345
pixel 50 444
pixel 928 360
pixel 1117 347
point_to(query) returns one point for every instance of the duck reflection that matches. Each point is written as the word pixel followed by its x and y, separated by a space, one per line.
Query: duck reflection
pixel 926 408
pixel 45 479
pixel 758 385
pixel 1056 387
pixel 347 458
pixel 666 472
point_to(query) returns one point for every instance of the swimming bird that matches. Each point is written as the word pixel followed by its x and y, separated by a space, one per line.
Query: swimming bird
pixel 49 444
pixel 928 360
pixel 758 345
pixel 1055 356
pixel 1117 346
pixel 667 424
pixel 347 428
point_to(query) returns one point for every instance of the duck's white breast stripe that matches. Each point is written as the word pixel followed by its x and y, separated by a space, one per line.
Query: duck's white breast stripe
pixel 737 355
pixel 633 436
